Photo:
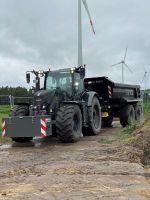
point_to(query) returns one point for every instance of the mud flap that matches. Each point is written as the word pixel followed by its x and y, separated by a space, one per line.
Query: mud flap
pixel 28 126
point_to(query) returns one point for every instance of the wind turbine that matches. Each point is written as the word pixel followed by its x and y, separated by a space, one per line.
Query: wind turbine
pixel 80 53
pixel 145 78
pixel 124 64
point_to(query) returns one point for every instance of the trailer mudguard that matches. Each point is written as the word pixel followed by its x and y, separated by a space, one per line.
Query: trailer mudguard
pixel 27 126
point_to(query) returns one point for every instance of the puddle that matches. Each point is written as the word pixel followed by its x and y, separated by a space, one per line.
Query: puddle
pixel 37 143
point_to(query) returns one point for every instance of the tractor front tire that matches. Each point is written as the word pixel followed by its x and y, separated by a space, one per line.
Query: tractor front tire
pixel 69 123
pixel 127 115
pixel 20 111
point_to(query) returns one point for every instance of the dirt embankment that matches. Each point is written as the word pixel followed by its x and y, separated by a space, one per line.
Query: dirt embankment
pixel 141 143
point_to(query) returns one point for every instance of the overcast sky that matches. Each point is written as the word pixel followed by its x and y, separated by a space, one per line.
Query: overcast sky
pixel 37 34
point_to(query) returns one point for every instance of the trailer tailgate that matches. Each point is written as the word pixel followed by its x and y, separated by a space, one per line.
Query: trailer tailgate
pixel 27 126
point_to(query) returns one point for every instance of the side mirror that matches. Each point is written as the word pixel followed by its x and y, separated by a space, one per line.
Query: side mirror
pixel 28 77
pixel 82 72
pixel 33 90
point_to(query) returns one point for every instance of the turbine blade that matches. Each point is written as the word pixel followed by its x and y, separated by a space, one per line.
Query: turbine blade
pixel 88 12
pixel 128 67
pixel 125 54
pixel 116 64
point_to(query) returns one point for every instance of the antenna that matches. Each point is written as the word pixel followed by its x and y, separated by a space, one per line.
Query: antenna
pixel 124 64
pixel 80 53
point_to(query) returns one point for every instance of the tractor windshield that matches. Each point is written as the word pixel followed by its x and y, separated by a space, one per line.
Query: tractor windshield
pixel 61 80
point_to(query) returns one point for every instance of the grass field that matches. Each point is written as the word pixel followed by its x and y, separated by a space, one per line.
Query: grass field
pixel 147 107
pixel 4 111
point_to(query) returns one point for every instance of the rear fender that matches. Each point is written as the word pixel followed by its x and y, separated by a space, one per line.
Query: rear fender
pixel 88 97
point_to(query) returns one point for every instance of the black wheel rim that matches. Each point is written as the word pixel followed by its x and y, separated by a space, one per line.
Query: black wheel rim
pixel 96 117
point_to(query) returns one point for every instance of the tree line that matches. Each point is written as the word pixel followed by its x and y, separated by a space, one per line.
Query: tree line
pixel 15 91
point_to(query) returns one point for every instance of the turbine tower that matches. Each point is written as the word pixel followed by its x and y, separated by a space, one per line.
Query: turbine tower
pixel 80 53
pixel 124 64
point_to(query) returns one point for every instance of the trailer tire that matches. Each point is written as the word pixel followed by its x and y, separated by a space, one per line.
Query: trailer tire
pixel 137 112
pixel 95 119
pixel 127 115
pixel 20 111
pixel 69 123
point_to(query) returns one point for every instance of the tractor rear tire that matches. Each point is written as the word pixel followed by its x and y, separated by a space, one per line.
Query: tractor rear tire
pixel 20 111
pixel 69 124
pixel 127 115
pixel 95 119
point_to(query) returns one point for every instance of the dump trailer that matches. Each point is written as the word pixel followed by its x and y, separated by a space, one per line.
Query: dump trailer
pixel 70 106
pixel 116 100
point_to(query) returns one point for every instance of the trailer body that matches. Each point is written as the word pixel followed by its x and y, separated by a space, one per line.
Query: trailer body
pixel 112 92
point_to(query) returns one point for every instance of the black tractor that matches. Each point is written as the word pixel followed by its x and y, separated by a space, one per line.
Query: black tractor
pixel 70 105
pixel 69 109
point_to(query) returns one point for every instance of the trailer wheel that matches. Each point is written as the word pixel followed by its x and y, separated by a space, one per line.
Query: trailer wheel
pixel 94 114
pixel 69 123
pixel 20 111
pixel 127 115
pixel 137 112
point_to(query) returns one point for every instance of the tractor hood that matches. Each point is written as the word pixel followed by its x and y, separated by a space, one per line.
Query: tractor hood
pixel 48 98
pixel 45 97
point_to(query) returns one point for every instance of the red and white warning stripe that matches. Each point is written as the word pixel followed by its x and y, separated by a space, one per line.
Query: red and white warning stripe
pixel 43 127
pixel 3 129
pixel 109 91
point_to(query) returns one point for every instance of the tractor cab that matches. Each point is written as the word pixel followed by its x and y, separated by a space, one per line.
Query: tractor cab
pixel 66 81
pixel 60 86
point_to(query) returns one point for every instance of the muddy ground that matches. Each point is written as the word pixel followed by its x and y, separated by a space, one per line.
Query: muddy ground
pixel 87 170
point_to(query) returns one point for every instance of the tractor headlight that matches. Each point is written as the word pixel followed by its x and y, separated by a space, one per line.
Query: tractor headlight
pixel 44 107
pixel 76 86
pixel 35 107
pixel 72 70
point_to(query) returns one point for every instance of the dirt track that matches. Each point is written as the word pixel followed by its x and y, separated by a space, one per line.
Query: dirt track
pixel 85 170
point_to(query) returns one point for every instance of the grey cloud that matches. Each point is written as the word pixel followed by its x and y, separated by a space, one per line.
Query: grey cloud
pixel 42 33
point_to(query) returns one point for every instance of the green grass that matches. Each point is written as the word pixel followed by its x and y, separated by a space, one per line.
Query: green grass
pixel 146 107
pixel 122 137
pixel 4 111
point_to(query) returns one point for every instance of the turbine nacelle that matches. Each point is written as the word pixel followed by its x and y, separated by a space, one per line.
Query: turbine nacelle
pixel 124 64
